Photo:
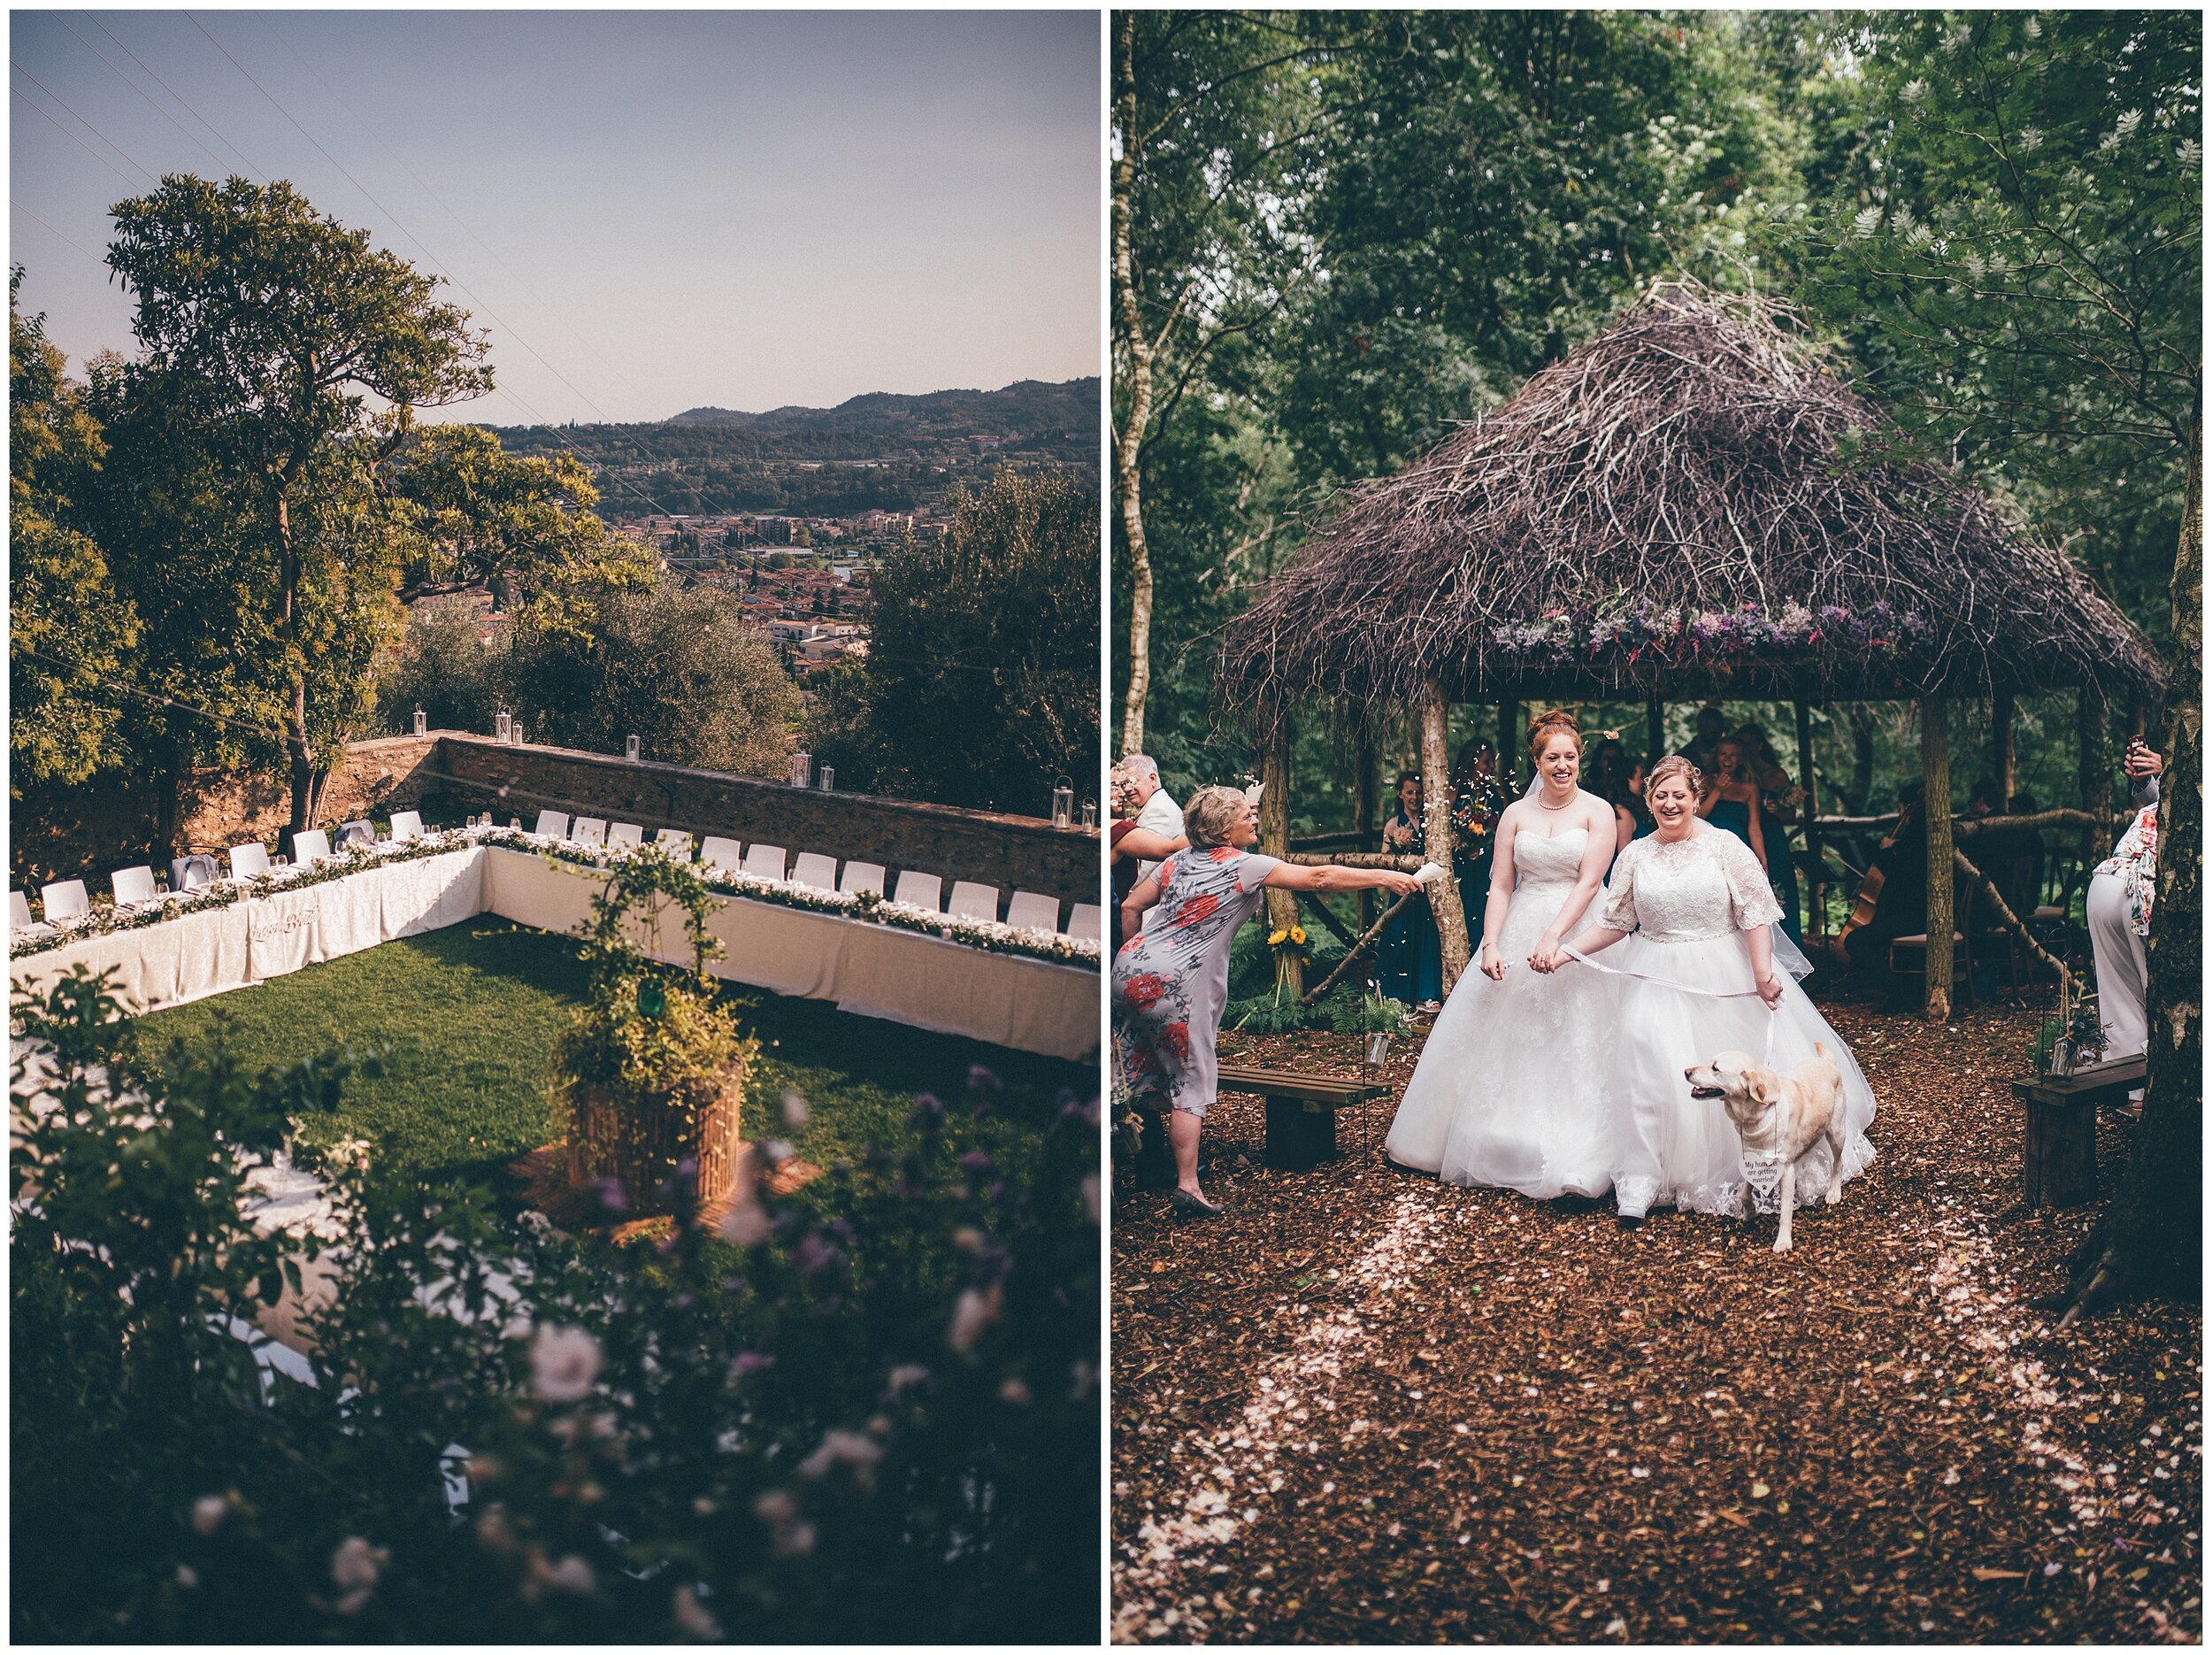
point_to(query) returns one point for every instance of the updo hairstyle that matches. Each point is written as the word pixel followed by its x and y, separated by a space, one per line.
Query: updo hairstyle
pixel 1546 724
pixel 1674 764
pixel 1211 814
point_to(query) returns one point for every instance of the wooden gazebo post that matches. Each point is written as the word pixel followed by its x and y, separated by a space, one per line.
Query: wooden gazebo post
pixel 1282 905
pixel 2004 759
pixel 1436 811
pixel 1654 729
pixel 1509 743
pixel 1364 760
pixel 1935 775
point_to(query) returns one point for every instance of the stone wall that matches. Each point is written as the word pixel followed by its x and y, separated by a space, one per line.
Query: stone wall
pixel 475 773
pixel 375 778
pixel 459 774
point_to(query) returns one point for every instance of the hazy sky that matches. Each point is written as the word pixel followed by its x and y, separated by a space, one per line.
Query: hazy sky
pixel 670 209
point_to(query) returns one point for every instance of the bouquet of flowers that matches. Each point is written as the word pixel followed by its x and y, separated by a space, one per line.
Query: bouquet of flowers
pixel 1476 808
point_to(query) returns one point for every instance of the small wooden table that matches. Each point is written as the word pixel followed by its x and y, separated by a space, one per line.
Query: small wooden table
pixel 2058 1151
pixel 1301 1111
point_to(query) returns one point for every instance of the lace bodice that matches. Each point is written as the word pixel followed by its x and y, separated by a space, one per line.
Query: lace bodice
pixel 1554 861
pixel 1701 887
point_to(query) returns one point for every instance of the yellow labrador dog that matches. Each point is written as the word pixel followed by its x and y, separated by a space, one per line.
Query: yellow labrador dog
pixel 1780 1117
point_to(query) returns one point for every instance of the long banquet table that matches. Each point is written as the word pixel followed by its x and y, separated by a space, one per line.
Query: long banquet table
pixel 1013 1000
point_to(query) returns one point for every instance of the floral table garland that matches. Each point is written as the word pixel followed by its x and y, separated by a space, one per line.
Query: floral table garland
pixel 988 934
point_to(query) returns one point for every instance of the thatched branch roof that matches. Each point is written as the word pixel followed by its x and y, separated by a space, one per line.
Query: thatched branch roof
pixel 1688 504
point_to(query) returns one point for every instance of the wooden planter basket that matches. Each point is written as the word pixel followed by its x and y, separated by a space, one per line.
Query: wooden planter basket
pixel 638 1143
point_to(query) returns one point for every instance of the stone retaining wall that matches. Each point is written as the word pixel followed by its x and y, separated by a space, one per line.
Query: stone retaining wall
pixel 1010 852
pixel 463 773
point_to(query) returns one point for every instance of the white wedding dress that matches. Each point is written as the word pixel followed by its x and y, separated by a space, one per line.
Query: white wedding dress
pixel 1510 1089
pixel 1688 905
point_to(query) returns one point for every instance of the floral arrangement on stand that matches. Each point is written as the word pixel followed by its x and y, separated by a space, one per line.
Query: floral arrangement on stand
pixel 989 935
pixel 1630 628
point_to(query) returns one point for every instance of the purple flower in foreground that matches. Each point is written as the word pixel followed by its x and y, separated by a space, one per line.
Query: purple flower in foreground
pixel 610 1193
pixel 976 1161
pixel 750 1362
pixel 983 1080
pixel 811 1254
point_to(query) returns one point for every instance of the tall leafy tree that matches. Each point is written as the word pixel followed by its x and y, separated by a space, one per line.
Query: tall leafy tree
pixel 981 681
pixel 306 352
pixel 2027 245
pixel 69 636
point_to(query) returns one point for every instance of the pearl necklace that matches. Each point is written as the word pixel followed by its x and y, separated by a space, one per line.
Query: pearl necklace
pixel 1539 800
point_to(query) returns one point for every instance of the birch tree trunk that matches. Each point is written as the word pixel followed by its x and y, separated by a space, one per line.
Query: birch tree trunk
pixel 1436 812
pixel 1129 437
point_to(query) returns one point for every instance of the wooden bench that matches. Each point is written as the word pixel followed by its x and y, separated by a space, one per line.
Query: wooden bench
pixel 1301 1111
pixel 2058 1149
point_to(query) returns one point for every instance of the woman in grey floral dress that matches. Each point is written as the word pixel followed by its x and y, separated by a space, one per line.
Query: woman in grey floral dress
pixel 1172 978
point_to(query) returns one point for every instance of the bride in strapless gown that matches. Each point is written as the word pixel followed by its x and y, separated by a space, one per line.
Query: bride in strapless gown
pixel 1512 1090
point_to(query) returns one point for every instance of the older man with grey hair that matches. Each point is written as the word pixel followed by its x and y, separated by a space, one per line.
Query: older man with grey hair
pixel 1152 807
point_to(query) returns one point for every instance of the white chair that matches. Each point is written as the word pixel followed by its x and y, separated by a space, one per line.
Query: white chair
pixel 363 831
pixel 588 830
pixel 405 825
pixel 554 822
pixel 624 833
pixel 18 910
pixel 1030 911
pixel 1083 921
pixel 676 842
pixel 309 846
pixel 971 901
pixel 132 884
pixel 764 861
pixel 860 876
pixel 246 860
pixel 811 867
pixel 726 854
pixel 190 872
pixel 65 900
pixel 923 890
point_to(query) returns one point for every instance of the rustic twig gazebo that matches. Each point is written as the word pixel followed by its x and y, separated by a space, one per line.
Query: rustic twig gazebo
pixel 1692 504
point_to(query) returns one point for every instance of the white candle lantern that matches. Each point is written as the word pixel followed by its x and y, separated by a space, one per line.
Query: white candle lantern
pixel 629 750
pixel 1090 815
pixel 503 727
pixel 829 778
pixel 801 768
pixel 422 724
pixel 1063 802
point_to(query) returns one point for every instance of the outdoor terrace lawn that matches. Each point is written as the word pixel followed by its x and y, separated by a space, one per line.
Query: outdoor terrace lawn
pixel 467 1017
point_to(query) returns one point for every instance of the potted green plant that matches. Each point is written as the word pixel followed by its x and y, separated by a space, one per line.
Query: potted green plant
pixel 653 1068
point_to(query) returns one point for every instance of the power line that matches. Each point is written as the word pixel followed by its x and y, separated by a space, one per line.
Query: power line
pixel 141 90
pixel 172 701
pixel 423 184
pixel 80 143
pixel 434 261
pixel 51 230
pixel 80 121
pixel 164 85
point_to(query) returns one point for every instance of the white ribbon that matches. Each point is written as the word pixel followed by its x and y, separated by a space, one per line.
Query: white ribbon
pixel 1766 1059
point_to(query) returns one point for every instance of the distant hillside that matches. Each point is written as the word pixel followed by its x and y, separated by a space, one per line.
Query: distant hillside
pixel 877 453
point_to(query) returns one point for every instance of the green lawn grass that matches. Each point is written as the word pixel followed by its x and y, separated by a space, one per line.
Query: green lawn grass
pixel 466 1018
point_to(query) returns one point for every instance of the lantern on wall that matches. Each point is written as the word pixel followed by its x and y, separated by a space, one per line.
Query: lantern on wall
pixel 829 778
pixel 1090 815
pixel 503 727
pixel 629 748
pixel 801 768
pixel 1063 802
pixel 422 724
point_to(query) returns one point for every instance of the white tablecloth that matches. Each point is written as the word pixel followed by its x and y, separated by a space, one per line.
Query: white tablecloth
pixel 1009 1000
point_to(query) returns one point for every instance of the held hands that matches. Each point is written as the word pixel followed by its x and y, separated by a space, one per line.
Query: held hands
pixel 1546 959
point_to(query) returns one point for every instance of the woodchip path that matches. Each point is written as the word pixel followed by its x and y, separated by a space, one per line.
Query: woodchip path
pixel 1363 1407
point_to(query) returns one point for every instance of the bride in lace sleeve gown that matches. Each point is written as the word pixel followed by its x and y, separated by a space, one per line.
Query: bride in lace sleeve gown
pixel 1509 1091
pixel 1691 908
